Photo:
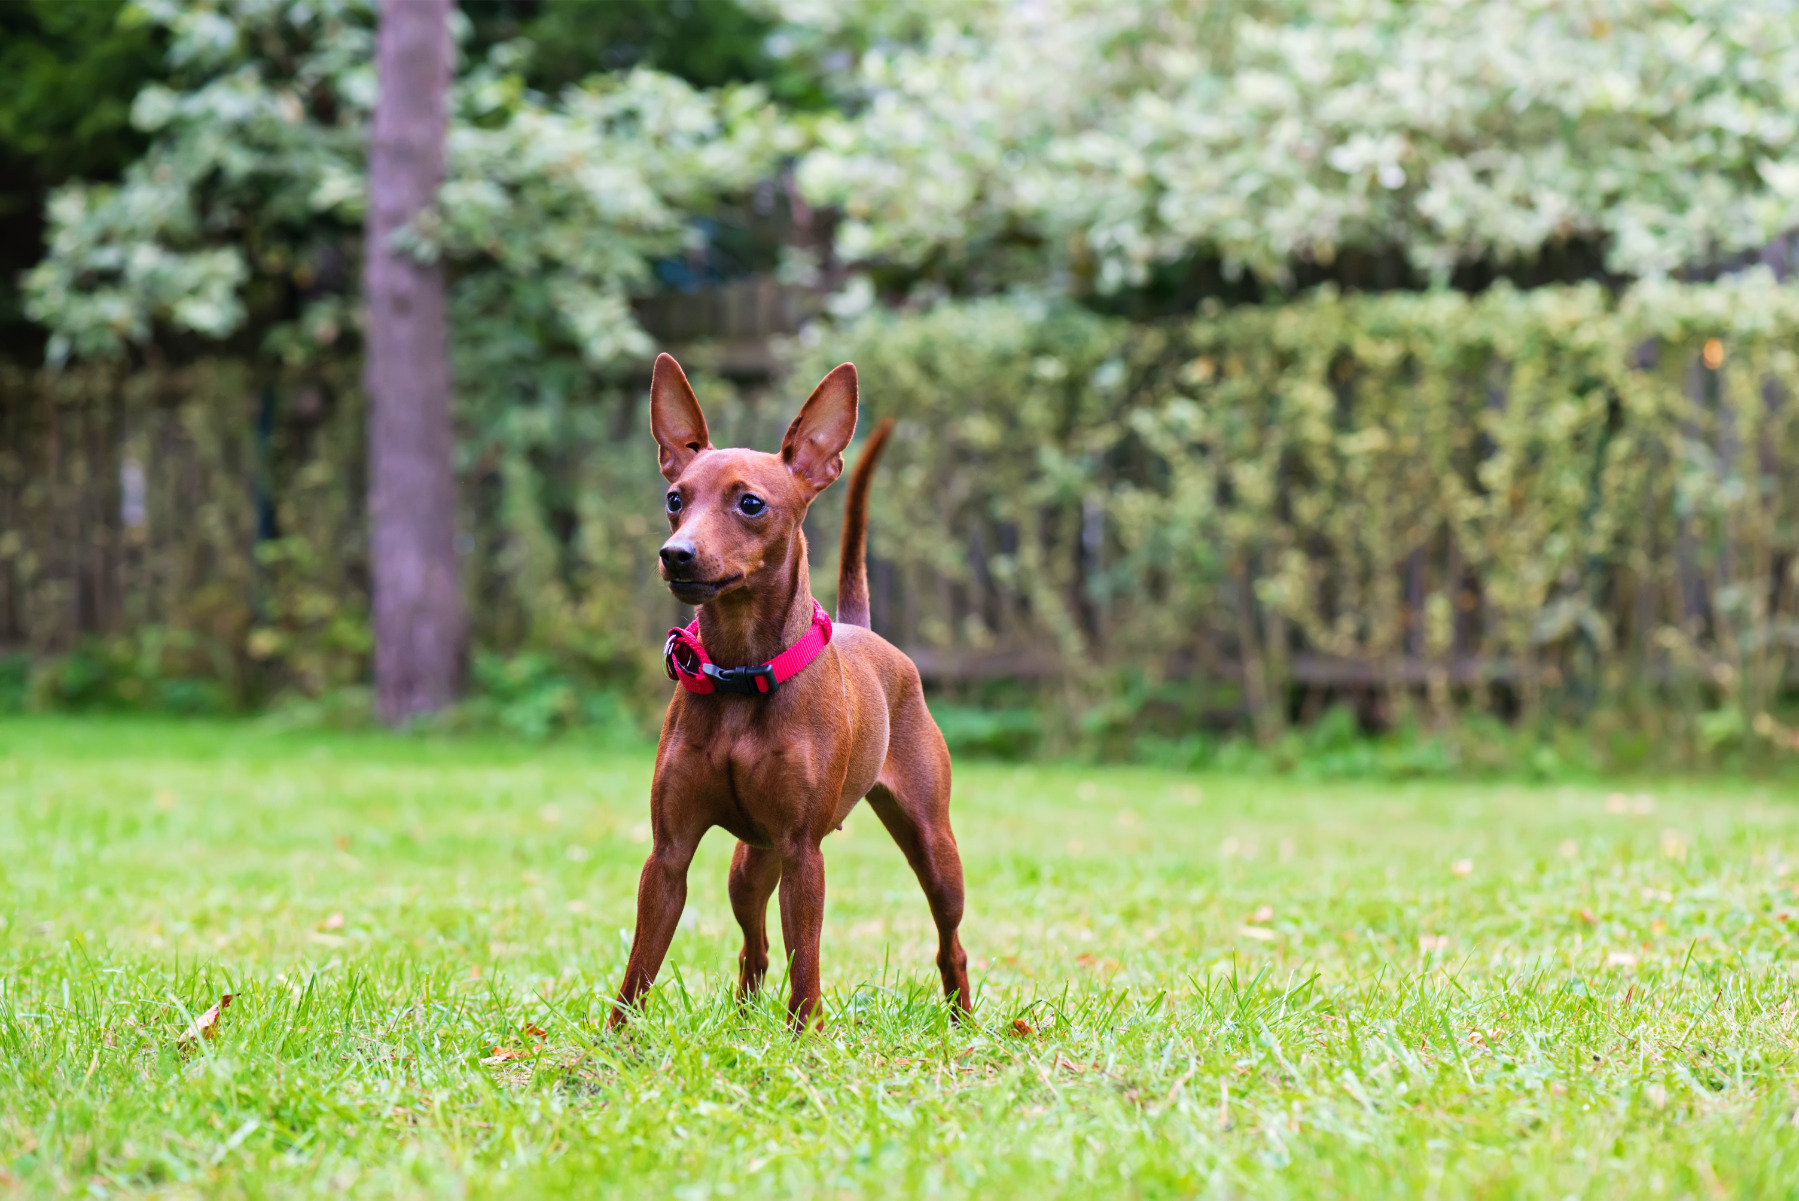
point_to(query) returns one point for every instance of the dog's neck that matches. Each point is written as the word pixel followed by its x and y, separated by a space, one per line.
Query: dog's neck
pixel 753 624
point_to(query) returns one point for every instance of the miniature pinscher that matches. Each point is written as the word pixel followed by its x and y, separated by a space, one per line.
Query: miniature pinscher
pixel 820 715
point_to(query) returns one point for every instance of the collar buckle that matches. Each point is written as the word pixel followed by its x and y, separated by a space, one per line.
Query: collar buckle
pixel 748 681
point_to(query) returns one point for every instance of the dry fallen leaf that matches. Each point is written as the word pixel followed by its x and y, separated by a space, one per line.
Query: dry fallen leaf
pixel 206 1026
pixel 509 1054
pixel 1586 915
pixel 1022 1028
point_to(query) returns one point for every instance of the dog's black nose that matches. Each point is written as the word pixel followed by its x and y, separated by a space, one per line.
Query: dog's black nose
pixel 676 555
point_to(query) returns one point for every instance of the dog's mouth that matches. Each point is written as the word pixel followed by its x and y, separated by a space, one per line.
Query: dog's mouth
pixel 695 592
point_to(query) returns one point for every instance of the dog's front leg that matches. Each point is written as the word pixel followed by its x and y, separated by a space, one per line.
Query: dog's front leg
pixel 661 897
pixel 754 874
pixel 802 926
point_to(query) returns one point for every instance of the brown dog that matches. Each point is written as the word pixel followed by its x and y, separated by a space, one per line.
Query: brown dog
pixel 780 771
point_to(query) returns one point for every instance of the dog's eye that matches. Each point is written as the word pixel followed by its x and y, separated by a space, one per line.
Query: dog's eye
pixel 751 505
pixel 673 501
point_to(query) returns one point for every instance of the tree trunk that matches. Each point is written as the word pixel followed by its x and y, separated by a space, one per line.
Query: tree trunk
pixel 419 621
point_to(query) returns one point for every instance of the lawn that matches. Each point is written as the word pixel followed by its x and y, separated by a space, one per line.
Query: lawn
pixel 1188 985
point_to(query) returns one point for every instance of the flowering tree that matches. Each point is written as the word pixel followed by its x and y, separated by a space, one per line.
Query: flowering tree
pixel 1083 144
pixel 244 218
pixel 1080 145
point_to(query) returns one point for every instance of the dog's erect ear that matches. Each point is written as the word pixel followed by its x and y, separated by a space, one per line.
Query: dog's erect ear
pixel 675 418
pixel 813 447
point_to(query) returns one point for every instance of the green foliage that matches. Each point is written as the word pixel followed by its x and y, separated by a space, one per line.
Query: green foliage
pixel 1448 503
pixel 708 43
pixel 530 695
pixel 142 673
pixel 1227 986
pixel 1335 748
pixel 799 51
pixel 985 731
pixel 68 73
pixel 15 683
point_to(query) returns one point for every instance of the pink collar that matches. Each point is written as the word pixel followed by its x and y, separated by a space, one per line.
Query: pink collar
pixel 686 661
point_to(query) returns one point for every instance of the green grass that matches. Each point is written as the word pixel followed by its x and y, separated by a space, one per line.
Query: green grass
pixel 1231 986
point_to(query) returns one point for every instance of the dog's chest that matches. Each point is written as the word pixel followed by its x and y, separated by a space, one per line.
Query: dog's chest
pixel 760 780
pixel 747 758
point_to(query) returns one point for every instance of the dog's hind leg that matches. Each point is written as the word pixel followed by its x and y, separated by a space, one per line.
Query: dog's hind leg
pixel 912 801
pixel 754 874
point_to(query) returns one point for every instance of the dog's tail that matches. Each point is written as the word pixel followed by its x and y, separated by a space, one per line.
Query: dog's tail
pixel 852 572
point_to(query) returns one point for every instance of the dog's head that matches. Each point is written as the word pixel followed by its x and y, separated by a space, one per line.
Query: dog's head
pixel 735 514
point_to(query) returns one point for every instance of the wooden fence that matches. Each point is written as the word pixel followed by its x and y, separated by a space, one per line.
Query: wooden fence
pixel 1533 503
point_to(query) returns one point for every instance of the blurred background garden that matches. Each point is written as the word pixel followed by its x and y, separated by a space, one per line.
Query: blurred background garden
pixel 1312 388
pixel 1383 387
